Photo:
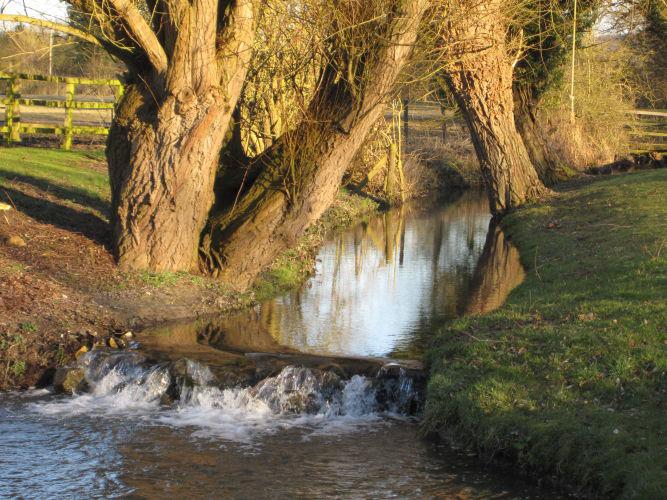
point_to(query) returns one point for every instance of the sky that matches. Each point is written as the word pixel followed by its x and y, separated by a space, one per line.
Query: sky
pixel 50 9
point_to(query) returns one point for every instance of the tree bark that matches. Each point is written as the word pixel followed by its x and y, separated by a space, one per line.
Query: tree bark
pixel 305 166
pixel 271 218
pixel 480 79
pixel 162 171
pixel 164 145
pixel 547 165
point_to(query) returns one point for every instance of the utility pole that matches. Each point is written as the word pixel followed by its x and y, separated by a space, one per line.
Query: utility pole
pixel 51 53
pixel 574 52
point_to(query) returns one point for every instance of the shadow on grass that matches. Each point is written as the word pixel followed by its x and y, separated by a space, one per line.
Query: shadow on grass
pixel 45 211
pixel 72 193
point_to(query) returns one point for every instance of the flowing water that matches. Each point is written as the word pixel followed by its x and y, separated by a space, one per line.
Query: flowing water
pixel 313 394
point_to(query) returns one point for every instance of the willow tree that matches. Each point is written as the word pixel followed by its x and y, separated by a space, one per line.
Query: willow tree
pixel 365 48
pixel 481 48
pixel 547 30
pixel 187 61
pixel 283 72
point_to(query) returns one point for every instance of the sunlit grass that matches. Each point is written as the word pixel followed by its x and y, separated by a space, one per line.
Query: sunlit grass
pixel 569 377
pixel 169 279
pixel 66 171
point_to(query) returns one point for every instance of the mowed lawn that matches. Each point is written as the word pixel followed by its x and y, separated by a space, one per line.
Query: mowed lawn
pixel 568 379
pixel 78 176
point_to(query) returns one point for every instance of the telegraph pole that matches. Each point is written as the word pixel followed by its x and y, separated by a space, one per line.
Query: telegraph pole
pixel 51 53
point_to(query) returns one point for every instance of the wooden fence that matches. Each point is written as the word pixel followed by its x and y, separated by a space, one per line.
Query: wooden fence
pixel 648 131
pixel 13 100
pixel 648 128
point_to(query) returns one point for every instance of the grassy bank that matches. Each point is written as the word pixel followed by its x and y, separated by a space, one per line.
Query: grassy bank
pixel 568 379
pixel 79 176
pixel 59 284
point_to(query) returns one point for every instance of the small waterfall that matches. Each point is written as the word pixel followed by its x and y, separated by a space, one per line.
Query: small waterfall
pixel 187 393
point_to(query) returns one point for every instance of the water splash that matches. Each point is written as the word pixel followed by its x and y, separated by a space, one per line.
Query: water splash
pixel 184 394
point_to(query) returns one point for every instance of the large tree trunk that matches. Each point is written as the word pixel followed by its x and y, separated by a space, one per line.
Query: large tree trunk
pixel 162 166
pixel 187 61
pixel 305 166
pixel 164 145
pixel 481 81
pixel 273 216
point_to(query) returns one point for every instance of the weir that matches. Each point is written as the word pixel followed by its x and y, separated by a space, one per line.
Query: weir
pixel 244 365
pixel 277 389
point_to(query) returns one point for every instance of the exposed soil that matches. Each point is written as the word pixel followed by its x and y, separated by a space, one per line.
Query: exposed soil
pixel 62 290
pixel 63 287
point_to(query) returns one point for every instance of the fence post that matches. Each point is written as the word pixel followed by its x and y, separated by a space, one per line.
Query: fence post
pixel 70 88
pixel 13 112
pixel 443 112
pixel 9 110
pixel 119 91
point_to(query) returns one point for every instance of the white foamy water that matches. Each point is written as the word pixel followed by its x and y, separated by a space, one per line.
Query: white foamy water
pixel 316 401
pixel 134 431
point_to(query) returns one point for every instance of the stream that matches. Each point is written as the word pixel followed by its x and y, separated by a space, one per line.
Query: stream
pixel 316 393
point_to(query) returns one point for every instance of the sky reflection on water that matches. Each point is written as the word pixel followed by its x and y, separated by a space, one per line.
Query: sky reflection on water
pixel 382 287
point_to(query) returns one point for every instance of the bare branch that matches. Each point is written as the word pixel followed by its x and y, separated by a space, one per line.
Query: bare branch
pixel 236 41
pixel 63 28
pixel 140 32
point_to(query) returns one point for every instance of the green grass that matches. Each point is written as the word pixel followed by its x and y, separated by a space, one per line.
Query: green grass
pixel 28 327
pixel 12 269
pixel 569 377
pixel 63 173
pixel 169 279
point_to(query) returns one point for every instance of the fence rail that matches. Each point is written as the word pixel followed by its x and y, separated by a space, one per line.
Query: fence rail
pixel 650 124
pixel 13 101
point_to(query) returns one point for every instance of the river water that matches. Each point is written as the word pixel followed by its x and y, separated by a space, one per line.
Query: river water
pixel 313 394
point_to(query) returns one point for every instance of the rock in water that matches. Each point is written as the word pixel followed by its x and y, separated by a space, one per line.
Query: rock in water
pixel 15 241
pixel 116 343
pixel 69 380
pixel 82 350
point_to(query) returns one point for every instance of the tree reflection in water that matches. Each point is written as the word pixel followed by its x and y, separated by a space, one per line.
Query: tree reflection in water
pixel 382 287
pixel 498 272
